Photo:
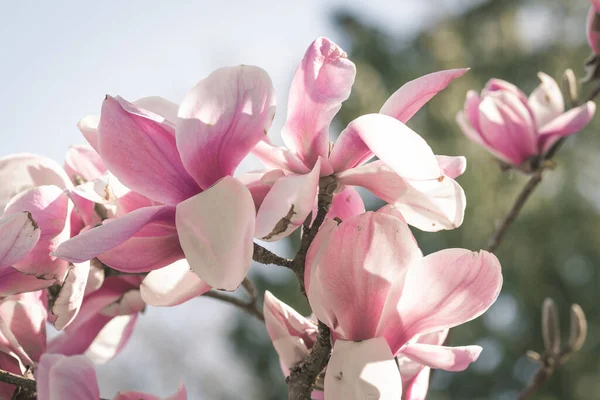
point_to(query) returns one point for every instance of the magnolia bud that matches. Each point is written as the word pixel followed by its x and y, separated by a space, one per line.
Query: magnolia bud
pixel 550 327
pixel 569 86
pixel 578 328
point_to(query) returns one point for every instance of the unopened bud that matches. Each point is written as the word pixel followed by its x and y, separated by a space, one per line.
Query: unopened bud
pixel 534 356
pixel 550 327
pixel 578 328
pixel 569 86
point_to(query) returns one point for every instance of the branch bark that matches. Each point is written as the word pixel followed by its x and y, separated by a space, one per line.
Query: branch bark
pixel 266 257
pixel 304 375
pixel 249 306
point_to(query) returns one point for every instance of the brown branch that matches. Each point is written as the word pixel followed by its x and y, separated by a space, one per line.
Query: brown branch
pixel 327 186
pixel 265 256
pixel 304 375
pixel 527 190
pixel 20 381
pixel 249 306
pixel 538 380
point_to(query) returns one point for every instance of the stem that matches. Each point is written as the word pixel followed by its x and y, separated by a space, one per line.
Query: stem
pixel 327 186
pixel 304 375
pixel 249 306
pixel 527 190
pixel 17 380
pixel 538 380
pixel 267 257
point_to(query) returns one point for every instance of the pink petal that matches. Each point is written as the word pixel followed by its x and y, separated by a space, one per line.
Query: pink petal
pixel 51 210
pixel 19 172
pixel 82 333
pixel 498 85
pixel 111 339
pixel 287 205
pixel 95 277
pixel 89 128
pixel 215 230
pixel 441 357
pixel 461 285
pixel 60 377
pixel 83 161
pixel 398 146
pixel 322 82
pixel 593 33
pixel 13 282
pixel 159 106
pixel 362 370
pixel 429 205
pixel 171 285
pixel 259 183
pixel 24 326
pixel 566 124
pixel 278 158
pixel 67 303
pixel 139 148
pixel 181 394
pixel 413 95
pixel 452 167
pixel 349 150
pixel 291 333
pixel 154 246
pixel 19 234
pixel 221 119
pixel 546 101
pixel 129 303
pixel 475 136
pixel 98 240
pixel 346 204
pixel 417 387
pixel 507 126
pixel 350 280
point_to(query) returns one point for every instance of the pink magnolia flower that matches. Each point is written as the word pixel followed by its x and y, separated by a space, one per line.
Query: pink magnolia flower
pixel 407 174
pixel 367 279
pixel 515 128
pixel 180 159
pixel 593 26
pixel 22 335
pixel 41 188
pixel 61 377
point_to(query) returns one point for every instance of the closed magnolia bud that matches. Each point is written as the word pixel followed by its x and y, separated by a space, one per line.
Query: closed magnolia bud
pixel 593 27
pixel 550 327
pixel 578 328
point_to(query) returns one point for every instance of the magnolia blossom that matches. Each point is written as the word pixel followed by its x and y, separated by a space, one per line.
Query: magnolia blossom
pixel 61 377
pixel 407 174
pixel 178 162
pixel 514 127
pixel 22 335
pixel 593 26
pixel 367 279
pixel 42 189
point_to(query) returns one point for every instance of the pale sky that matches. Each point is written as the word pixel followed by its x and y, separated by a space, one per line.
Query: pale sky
pixel 61 57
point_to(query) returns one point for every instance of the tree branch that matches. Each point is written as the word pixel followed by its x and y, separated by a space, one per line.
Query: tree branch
pixel 527 190
pixel 304 375
pixel 265 256
pixel 17 380
pixel 544 373
pixel 249 306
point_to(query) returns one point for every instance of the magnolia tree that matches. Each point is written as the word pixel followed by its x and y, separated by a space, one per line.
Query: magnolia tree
pixel 152 212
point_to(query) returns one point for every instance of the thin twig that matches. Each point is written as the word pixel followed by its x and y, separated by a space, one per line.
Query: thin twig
pixel 265 256
pixel 304 375
pixel 527 190
pixel 538 380
pixel 249 306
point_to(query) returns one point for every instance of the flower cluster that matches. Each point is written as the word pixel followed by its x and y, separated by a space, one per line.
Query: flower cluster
pixel 155 212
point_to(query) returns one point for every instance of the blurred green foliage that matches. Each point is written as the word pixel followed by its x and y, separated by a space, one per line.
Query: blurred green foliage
pixel 553 249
